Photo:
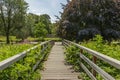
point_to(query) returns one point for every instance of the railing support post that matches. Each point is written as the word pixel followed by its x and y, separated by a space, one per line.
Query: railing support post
pixel 94 59
pixel 81 52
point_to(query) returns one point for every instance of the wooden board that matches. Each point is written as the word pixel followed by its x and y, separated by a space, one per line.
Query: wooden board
pixel 55 68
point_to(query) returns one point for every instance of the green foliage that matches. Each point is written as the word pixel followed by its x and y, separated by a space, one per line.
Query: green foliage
pixel 23 69
pixel 15 21
pixel 84 76
pixel 107 49
pixel 2 38
pixel 99 45
pixel 32 39
pixel 30 23
pixel 40 30
pixel 104 47
pixel 19 26
pixel 83 19
pixel 12 39
pixel 23 30
pixel 12 16
pixel 54 27
pixel 7 51
pixel 45 19
pixel 72 57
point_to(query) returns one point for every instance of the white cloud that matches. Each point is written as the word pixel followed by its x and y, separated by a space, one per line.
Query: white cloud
pixel 50 7
pixel 39 11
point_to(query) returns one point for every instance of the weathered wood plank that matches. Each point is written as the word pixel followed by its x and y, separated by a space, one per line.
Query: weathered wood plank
pixel 55 69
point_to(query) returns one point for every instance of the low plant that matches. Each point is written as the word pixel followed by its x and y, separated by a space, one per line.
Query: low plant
pixel 23 69
pixel 99 45
pixel 7 51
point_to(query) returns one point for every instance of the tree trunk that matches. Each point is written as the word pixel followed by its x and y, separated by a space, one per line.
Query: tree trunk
pixel 8 27
pixel 7 38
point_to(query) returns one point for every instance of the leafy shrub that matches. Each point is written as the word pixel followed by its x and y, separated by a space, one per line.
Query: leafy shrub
pixel 97 44
pixel 88 33
pixel 110 34
pixel 23 69
pixel 7 51
pixel 107 49
pixel 72 56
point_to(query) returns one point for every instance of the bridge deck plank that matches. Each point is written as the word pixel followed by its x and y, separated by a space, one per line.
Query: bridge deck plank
pixel 55 68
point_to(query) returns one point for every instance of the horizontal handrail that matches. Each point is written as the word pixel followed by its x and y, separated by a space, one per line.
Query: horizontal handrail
pixel 105 75
pixel 38 62
pixel 87 71
pixel 7 62
pixel 109 60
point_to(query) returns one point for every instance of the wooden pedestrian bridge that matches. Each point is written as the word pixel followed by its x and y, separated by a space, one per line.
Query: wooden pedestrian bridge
pixel 55 68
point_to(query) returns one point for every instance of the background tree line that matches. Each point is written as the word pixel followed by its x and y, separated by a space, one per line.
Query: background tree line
pixel 15 21
pixel 83 19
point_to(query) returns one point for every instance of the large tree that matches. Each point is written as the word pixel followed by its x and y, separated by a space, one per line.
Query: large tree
pixel 45 19
pixel 40 30
pixel 88 18
pixel 69 22
pixel 30 23
pixel 12 15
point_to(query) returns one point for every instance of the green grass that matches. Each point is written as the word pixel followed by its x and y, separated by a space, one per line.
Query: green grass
pixel 2 39
pixel 12 39
pixel 45 39
pixel 7 51
pixel 32 39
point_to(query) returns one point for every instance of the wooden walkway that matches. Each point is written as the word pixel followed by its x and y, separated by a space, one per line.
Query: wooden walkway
pixel 55 68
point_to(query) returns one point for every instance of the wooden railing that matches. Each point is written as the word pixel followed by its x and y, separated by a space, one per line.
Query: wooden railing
pixel 113 62
pixel 6 63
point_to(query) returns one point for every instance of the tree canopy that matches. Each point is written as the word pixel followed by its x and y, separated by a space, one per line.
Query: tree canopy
pixel 15 21
pixel 83 19
pixel 12 15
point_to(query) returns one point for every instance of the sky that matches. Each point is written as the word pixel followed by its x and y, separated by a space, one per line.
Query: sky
pixel 50 7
